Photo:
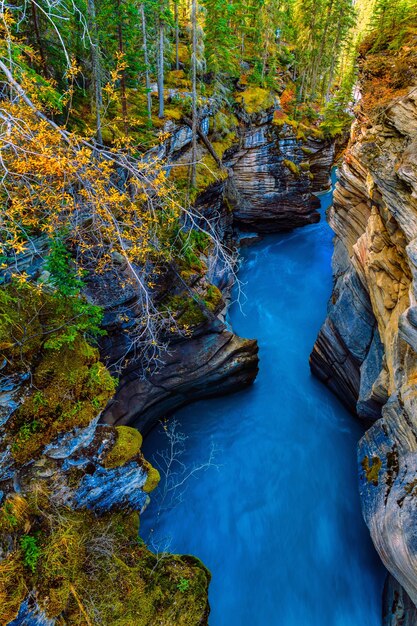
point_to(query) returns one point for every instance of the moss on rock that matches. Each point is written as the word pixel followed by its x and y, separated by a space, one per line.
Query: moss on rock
pixel 255 99
pixel 372 469
pixel 152 480
pixel 126 447
pixel 292 167
pixel 71 386
pixel 95 570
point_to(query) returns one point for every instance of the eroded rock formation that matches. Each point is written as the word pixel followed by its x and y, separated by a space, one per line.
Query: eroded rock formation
pixel 275 193
pixel 367 349
pixel 269 178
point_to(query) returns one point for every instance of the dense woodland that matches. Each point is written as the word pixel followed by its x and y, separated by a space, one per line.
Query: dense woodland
pixel 89 91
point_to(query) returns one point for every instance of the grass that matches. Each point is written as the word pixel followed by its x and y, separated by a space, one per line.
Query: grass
pixel 92 570
pixel 69 384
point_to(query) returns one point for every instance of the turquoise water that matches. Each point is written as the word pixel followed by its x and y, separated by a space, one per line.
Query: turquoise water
pixel 279 522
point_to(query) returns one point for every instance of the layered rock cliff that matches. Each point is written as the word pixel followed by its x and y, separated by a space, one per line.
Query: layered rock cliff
pixel 71 488
pixel 367 349
pixel 269 174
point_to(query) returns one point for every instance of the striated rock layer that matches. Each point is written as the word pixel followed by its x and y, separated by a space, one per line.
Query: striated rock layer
pixel 268 187
pixel 212 362
pixel 275 175
pixel 367 348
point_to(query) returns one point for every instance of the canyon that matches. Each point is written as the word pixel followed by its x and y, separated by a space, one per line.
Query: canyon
pixel 365 351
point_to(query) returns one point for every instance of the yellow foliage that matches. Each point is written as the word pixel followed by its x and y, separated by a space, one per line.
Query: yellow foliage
pixel 255 99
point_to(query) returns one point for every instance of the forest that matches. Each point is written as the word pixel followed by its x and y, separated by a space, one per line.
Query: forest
pixel 99 207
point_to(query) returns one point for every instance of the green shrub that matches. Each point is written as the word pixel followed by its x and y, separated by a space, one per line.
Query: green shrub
pixel 183 585
pixel 31 551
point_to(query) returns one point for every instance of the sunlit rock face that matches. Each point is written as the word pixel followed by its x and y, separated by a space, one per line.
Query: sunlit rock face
pixel 367 348
pixel 275 175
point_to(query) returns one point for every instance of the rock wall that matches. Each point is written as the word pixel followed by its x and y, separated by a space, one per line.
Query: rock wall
pixel 276 174
pixel 367 349
pixel 272 176
pixel 212 362
pixel 397 608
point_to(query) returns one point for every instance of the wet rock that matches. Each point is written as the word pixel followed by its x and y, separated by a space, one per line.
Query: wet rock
pixel 397 607
pixel 30 615
pixel 212 362
pixel 275 192
pixel 367 348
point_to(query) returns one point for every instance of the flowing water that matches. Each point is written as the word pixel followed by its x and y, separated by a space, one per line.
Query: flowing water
pixel 279 522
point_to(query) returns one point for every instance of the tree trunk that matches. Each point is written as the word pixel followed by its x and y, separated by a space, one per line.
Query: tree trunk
pixel 194 94
pixel 177 36
pixel 123 76
pixel 322 46
pixel 161 68
pixel 206 142
pixel 96 67
pixel 146 59
pixel 38 38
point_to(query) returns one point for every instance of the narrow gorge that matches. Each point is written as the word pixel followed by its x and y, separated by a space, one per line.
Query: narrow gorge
pixel 208 314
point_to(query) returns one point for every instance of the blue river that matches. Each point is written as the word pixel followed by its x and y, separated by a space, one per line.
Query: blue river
pixel 278 522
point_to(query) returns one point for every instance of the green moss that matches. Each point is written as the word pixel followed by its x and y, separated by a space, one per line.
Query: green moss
pixel 185 309
pixel 280 118
pixel 224 144
pixel 80 555
pixel 317 133
pixel 190 246
pixel 174 113
pixel 224 123
pixel 69 385
pixel 292 167
pixel 372 469
pixel 13 585
pixel 213 298
pixel 293 124
pixel 177 79
pixel 188 311
pixel 127 446
pixel 152 480
pixel 207 173
pixel 306 150
pixel 13 513
pixel 18 314
pixel 304 166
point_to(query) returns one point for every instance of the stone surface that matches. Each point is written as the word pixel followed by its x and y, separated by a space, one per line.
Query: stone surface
pixel 367 348
pixel 270 197
pixel 212 362
pixel 261 195
pixel 397 608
